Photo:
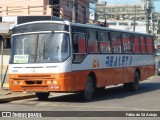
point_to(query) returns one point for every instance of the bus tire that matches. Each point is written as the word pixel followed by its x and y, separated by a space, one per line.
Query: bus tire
pixel 87 94
pixel 42 95
pixel 132 86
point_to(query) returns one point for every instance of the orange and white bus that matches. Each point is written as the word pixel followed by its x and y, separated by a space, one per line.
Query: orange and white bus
pixel 60 56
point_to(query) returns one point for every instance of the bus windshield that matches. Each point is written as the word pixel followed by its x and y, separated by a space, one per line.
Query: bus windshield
pixel 40 48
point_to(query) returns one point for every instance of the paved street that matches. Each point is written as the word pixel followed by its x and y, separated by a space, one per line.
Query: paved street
pixel 114 99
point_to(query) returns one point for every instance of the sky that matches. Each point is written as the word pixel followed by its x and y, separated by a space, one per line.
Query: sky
pixel 156 3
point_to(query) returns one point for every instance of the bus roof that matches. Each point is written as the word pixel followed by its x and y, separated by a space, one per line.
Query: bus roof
pixel 83 25
pixel 105 28
pixel 48 21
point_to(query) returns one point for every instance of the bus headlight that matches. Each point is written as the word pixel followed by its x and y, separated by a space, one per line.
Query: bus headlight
pixel 55 82
pixel 16 83
pixel 49 82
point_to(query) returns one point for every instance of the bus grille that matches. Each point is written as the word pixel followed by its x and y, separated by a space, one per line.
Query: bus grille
pixel 33 82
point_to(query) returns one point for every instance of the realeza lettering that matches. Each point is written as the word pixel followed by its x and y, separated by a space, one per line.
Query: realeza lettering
pixel 118 61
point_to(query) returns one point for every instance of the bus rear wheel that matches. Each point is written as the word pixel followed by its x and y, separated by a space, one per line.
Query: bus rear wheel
pixel 42 95
pixel 87 94
pixel 132 86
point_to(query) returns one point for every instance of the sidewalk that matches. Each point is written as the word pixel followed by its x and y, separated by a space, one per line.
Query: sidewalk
pixel 7 96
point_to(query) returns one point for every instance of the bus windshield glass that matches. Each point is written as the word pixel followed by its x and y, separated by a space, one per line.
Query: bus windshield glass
pixel 40 48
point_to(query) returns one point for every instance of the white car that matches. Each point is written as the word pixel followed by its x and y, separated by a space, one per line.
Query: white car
pixel 157 53
pixel 158 68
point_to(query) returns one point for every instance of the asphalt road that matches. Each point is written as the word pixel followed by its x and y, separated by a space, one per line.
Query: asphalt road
pixel 147 98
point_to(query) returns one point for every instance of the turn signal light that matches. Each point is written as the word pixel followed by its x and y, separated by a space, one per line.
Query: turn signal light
pixel 15 83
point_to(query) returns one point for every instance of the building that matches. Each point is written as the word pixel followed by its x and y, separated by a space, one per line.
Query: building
pixel 143 14
pixel 59 8
pixel 11 9
pixel 128 25
pixel 120 11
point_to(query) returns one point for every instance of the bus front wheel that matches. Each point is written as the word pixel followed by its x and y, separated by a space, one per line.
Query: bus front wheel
pixel 132 86
pixel 42 95
pixel 87 94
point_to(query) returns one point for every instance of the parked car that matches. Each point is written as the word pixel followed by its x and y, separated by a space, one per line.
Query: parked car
pixel 158 68
pixel 157 53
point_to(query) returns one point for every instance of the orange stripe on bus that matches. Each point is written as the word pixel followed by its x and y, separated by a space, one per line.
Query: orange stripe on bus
pixel 75 81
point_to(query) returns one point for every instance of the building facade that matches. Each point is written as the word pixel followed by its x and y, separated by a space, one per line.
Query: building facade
pixel 10 10
pixel 121 11
pixel 59 8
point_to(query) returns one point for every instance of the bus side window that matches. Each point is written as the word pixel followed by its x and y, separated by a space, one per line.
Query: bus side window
pixel 126 43
pixel 143 45
pixel 104 42
pixel 79 46
pixel 149 45
pixel 92 41
pixel 116 42
pixel 136 46
pixel 75 43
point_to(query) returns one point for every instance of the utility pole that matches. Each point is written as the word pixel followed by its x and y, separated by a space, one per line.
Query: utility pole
pixel 96 15
pixel 134 25
pixel 147 16
pixel 105 22
pixel 149 10
pixel 153 20
pixel 74 11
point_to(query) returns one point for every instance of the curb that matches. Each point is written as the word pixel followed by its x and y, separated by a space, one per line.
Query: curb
pixel 14 98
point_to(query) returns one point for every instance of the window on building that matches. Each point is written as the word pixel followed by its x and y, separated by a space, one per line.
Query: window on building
pixel 116 42
pixel 134 23
pixel 104 42
pixel 68 5
pixel 92 41
pixel 112 23
pixel 7 44
pixel 84 14
pixel 123 24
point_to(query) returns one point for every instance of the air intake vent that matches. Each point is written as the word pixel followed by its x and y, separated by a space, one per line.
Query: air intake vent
pixel 33 82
